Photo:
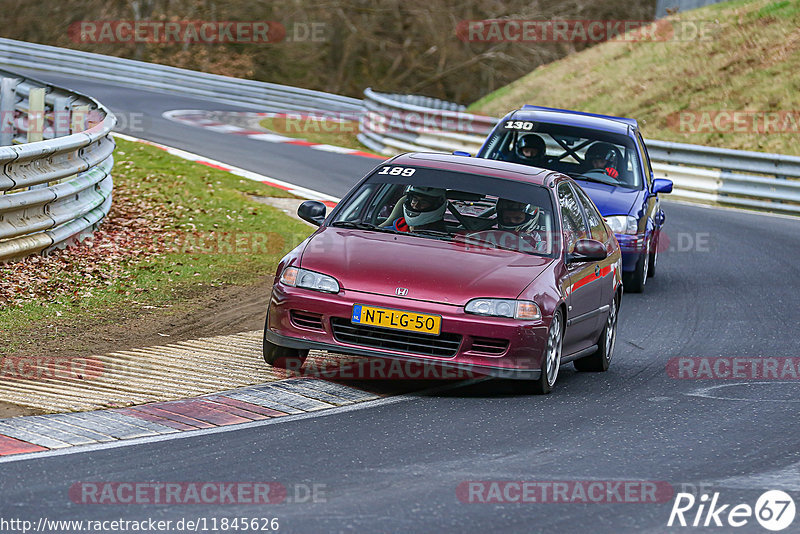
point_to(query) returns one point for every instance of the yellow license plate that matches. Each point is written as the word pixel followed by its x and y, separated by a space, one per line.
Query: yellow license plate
pixel 397 319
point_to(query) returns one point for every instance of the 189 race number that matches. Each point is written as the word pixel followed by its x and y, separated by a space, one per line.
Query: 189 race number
pixel 397 171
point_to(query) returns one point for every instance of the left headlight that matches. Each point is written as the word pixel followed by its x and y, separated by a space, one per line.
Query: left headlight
pixel 525 310
pixel 623 224
pixel 296 277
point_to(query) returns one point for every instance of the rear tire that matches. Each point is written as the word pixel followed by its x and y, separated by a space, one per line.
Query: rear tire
pixel 600 360
pixel 551 361
pixel 634 282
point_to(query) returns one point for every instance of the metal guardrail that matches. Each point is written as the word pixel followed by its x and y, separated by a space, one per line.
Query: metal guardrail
pixel 250 93
pixel 55 185
pixel 393 124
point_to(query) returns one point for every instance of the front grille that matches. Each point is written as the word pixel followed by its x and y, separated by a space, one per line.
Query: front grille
pixel 306 319
pixel 488 345
pixel 443 346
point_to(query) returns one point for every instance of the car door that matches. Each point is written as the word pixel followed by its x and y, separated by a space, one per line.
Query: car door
pixel 585 291
pixel 653 207
pixel 604 269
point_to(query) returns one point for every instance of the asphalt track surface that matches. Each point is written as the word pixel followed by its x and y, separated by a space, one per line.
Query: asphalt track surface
pixel 727 288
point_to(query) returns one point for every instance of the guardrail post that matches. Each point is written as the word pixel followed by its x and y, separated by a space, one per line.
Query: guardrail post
pixel 8 105
pixel 61 116
pixel 79 116
pixel 36 115
pixel 36 120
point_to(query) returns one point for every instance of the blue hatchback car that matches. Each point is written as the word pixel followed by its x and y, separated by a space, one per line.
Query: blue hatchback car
pixel 607 157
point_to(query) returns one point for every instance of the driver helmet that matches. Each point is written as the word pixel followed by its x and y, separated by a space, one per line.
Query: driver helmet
pixel 516 216
pixel 530 148
pixel 605 152
pixel 424 205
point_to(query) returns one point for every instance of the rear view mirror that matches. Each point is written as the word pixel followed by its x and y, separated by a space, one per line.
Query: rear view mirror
pixel 587 250
pixel 312 211
pixel 662 185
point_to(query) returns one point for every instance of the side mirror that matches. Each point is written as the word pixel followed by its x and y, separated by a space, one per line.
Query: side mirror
pixel 662 185
pixel 587 250
pixel 461 153
pixel 312 211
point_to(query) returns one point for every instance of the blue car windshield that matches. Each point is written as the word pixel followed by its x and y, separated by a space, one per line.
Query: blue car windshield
pixel 581 153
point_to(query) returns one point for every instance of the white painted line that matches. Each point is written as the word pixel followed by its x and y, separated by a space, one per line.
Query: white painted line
pixel 336 149
pixel 224 128
pixel 270 138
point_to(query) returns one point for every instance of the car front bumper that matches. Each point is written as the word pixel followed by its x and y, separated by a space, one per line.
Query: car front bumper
pixel 493 346
pixel 632 247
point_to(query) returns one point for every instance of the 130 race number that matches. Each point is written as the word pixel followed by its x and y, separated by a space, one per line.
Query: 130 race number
pixel 519 125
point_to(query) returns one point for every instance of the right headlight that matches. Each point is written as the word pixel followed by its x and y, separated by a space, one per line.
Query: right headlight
pixel 623 224
pixel 525 310
pixel 296 277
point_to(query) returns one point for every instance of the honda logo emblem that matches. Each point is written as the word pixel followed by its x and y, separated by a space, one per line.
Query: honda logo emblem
pixel 401 291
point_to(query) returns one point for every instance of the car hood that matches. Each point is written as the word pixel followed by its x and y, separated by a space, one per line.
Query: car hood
pixel 612 200
pixel 433 270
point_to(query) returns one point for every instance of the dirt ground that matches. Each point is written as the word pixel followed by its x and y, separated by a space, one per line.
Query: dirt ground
pixel 211 311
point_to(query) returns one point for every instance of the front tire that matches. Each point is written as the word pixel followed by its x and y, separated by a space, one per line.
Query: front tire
pixel 600 360
pixel 282 357
pixel 551 361
pixel 651 270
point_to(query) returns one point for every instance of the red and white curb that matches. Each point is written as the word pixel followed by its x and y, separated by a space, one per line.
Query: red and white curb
pixel 302 192
pixel 200 119
pixel 290 397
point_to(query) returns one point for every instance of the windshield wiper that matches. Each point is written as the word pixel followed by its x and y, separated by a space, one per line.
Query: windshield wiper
pixel 434 233
pixel 493 244
pixel 364 226
pixel 592 179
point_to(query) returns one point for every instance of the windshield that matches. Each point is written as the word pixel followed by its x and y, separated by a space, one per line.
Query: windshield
pixel 583 154
pixel 470 209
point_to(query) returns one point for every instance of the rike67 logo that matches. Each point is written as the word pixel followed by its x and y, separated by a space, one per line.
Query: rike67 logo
pixel 774 510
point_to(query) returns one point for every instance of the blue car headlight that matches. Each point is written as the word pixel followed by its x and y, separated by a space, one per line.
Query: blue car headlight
pixel 525 310
pixel 623 224
pixel 296 277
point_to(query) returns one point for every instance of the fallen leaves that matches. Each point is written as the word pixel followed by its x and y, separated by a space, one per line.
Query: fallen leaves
pixel 135 229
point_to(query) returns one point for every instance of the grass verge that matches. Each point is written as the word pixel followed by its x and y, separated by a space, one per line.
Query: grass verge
pixel 175 229
pixel 741 56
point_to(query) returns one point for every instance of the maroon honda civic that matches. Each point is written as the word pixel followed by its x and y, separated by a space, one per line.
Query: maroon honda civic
pixel 497 268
